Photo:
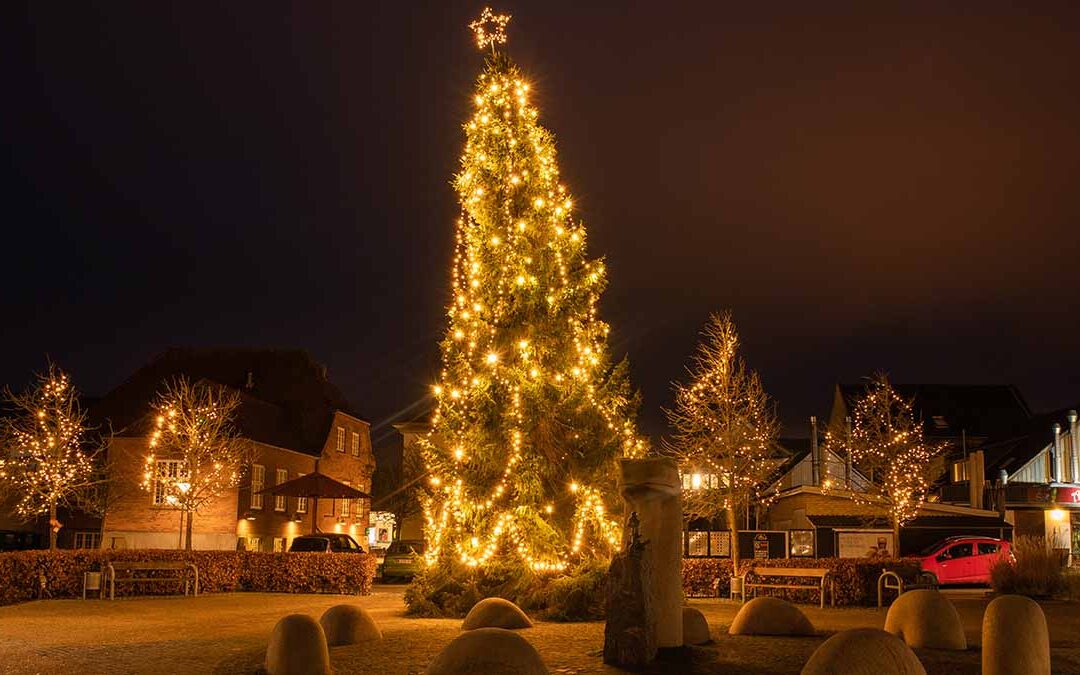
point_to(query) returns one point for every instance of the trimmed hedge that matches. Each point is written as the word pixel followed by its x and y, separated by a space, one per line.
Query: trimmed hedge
pixel 855 578
pixel 32 575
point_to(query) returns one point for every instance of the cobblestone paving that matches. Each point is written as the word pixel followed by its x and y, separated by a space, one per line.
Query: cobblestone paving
pixel 227 634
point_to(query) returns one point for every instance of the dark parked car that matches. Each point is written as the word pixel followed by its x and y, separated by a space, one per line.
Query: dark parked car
pixel 328 542
pixel 403 559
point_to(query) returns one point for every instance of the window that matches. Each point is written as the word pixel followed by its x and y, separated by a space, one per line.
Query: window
pixel 258 480
pixel 988 549
pixel 281 475
pixel 251 543
pixel 87 540
pixel 341 439
pixel 355 444
pixel 346 504
pixel 168 473
pixel 279 544
pixel 958 551
pixel 939 422
pixel 301 502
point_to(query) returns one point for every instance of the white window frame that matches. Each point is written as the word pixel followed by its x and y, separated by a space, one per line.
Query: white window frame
pixel 258 482
pixel 281 502
pixel 87 540
pixel 355 444
pixel 166 473
pixel 346 504
pixel 301 502
pixel 340 439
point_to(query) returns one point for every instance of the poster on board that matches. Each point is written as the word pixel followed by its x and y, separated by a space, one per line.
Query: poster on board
pixel 864 543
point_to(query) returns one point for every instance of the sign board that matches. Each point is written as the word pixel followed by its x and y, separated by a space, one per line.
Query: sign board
pixel 720 544
pixel 864 543
pixel 761 546
pixel 1067 495
pixel 802 544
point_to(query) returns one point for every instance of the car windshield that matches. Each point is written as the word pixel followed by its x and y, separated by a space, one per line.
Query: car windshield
pixel 305 544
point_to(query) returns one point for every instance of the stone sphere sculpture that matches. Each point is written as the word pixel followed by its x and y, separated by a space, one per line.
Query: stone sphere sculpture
pixel 297 647
pixel 863 651
pixel 695 629
pixel 348 625
pixel 492 651
pixel 1015 639
pixel 926 618
pixel 495 613
pixel 770 616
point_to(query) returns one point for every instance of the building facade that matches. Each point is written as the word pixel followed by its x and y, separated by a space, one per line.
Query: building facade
pixel 294 421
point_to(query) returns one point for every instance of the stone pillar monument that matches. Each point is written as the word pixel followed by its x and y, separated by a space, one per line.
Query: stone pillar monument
pixel 652 489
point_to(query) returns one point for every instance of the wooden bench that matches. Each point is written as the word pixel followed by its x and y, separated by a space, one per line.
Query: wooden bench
pixel 891 581
pixel 818 580
pixel 188 573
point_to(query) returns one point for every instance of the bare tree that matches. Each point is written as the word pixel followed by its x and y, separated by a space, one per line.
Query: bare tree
pixel 725 426
pixel 196 453
pixel 886 444
pixel 46 462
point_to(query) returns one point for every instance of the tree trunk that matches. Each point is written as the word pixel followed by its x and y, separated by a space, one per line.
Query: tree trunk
pixel 733 525
pixel 52 530
pixel 896 537
pixel 187 539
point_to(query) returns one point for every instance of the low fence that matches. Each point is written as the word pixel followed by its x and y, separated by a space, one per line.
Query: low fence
pixel 32 575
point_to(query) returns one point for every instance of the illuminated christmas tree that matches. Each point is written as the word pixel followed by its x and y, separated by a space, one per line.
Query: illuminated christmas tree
pixel 531 414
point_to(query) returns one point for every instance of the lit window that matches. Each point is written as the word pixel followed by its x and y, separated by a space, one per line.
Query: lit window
pixel 281 475
pixel 168 474
pixel 340 439
pixel 301 502
pixel 258 480
pixel 355 444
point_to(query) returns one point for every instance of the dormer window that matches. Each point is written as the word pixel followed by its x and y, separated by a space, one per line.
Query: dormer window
pixel 355 447
pixel 340 439
pixel 939 423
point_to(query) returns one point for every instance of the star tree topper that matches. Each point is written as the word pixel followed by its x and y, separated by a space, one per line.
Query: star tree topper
pixel 490 29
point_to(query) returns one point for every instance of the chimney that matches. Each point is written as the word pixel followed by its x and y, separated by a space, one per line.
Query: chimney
pixel 1055 455
pixel 249 384
pixel 1074 445
pixel 815 458
pixel 976 469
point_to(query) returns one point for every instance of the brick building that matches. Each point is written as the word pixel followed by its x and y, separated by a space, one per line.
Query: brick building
pixel 296 422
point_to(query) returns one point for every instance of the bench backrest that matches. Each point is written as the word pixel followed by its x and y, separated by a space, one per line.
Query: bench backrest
pixel 788 571
pixel 150 565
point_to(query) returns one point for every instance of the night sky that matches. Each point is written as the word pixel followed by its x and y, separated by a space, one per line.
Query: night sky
pixel 866 186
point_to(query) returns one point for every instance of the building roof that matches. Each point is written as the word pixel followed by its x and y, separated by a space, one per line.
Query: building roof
pixel 950 410
pixel 923 521
pixel 286 399
pixel 1016 449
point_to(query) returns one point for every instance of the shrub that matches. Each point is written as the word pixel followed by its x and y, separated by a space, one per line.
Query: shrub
pixel 855 579
pixel 1035 570
pixel 29 575
pixel 452 590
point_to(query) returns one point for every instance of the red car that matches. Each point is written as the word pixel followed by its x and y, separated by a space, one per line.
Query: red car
pixel 964 560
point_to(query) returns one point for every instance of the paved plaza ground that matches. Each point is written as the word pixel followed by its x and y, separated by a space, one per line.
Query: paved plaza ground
pixel 227 633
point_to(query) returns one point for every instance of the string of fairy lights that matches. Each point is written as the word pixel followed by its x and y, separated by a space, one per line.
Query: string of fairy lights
pixel 523 317
pixel 46 462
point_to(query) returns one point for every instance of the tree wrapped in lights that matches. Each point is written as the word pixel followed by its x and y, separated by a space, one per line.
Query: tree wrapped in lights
pixel 195 452
pixel 886 444
pixel 45 462
pixel 531 415
pixel 725 427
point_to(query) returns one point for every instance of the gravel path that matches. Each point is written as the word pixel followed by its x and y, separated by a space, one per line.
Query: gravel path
pixel 227 633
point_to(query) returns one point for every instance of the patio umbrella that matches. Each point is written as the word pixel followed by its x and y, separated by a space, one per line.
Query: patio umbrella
pixel 315 485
